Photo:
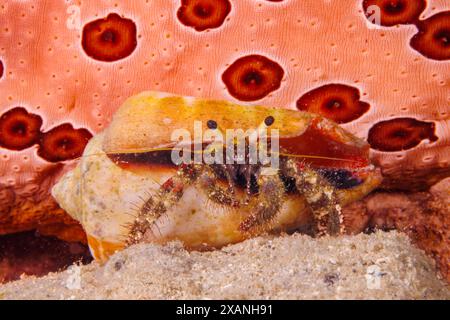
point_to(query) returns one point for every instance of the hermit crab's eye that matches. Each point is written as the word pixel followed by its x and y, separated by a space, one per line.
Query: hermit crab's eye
pixel 212 124
pixel 269 121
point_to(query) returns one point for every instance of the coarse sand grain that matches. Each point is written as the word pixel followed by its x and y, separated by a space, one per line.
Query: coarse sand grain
pixel 377 266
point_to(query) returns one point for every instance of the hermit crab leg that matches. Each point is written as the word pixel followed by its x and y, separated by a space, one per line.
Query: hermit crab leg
pixel 321 198
pixel 228 169
pixel 155 206
pixel 268 203
pixel 171 192
pixel 248 171
pixel 208 181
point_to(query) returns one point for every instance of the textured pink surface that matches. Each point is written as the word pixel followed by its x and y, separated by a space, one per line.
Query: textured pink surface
pixel 316 42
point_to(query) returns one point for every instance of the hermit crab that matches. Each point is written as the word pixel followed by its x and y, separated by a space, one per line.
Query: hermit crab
pixel 210 173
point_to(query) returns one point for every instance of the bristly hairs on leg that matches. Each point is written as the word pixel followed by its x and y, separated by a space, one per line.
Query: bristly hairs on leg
pixel 321 197
pixel 155 206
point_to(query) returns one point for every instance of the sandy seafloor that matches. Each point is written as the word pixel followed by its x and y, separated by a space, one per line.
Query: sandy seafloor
pixel 377 266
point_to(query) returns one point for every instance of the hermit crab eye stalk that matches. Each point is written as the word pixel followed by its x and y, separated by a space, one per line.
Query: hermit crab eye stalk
pixel 212 124
pixel 269 121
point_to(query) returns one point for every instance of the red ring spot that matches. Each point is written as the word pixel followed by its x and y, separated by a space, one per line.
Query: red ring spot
pixel 19 129
pixel 395 12
pixel 400 134
pixel 63 143
pixel 337 102
pixel 203 14
pixel 109 39
pixel 433 38
pixel 252 77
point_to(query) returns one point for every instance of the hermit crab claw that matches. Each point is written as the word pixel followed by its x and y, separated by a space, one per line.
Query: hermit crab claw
pixel 129 186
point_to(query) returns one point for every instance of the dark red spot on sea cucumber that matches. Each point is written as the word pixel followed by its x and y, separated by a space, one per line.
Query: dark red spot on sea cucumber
pixel 109 39
pixel 63 143
pixel 338 102
pixel 433 38
pixel 203 14
pixel 253 77
pixel 393 12
pixel 400 134
pixel 19 129
pixel 1 69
